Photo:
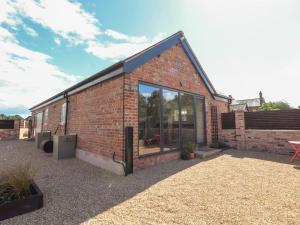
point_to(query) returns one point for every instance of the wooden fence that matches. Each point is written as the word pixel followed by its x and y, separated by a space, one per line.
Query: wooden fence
pixel 228 120
pixel 273 120
pixel 7 124
pixel 265 120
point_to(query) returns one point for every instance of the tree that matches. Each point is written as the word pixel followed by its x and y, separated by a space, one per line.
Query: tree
pixel 279 105
pixel 7 117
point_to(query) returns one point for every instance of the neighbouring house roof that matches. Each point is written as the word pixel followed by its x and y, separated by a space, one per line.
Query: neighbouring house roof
pixel 28 118
pixel 239 107
pixel 255 102
pixel 133 62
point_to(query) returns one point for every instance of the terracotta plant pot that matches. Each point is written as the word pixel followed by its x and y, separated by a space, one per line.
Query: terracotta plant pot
pixel 192 155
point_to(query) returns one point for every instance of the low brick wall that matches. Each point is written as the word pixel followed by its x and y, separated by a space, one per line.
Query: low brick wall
pixel 11 134
pixel 275 141
pixel 229 137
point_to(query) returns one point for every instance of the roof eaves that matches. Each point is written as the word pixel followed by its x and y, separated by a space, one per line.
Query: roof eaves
pixel 107 70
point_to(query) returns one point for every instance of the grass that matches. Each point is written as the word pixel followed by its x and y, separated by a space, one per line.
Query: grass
pixel 15 183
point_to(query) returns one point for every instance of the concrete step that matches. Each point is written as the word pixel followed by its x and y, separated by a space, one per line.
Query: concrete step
pixel 205 153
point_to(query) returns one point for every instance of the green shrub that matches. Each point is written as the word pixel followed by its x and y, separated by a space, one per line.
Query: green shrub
pixel 15 183
pixel 186 150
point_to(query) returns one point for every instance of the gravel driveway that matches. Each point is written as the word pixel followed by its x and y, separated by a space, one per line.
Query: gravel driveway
pixel 235 187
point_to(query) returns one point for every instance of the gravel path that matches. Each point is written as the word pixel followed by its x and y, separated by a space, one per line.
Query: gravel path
pixel 233 188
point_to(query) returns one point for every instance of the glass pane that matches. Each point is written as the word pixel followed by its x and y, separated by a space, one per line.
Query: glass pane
pixel 149 119
pixel 199 106
pixel 38 125
pixel 188 134
pixel 170 120
pixel 63 113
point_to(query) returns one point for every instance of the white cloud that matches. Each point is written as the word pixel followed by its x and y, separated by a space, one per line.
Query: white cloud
pixel 8 14
pixel 66 19
pixel 28 75
pixel 30 31
pixel 119 50
pixel 120 36
pixel 57 41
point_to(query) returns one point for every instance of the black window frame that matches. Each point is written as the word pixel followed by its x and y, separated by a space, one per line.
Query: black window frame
pixel 180 121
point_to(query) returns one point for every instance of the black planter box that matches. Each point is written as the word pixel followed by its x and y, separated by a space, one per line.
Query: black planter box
pixel 18 207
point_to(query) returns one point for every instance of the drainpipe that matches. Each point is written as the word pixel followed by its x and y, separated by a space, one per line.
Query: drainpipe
pixel 120 162
pixel 66 117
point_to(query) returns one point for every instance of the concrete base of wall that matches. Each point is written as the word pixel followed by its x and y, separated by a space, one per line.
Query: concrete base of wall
pixel 100 161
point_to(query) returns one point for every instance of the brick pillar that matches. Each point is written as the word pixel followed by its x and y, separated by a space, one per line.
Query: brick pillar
pixel 240 130
pixel 17 128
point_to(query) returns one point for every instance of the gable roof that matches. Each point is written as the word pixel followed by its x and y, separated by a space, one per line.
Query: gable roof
pixel 131 63
pixel 238 107
pixel 254 102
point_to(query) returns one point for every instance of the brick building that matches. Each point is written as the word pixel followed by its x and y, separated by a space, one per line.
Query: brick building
pixel 162 93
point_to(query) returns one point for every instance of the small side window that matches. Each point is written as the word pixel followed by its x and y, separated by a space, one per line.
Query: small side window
pixel 63 114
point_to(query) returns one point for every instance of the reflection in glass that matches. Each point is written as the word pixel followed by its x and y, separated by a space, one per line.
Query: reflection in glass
pixel 38 122
pixel 199 106
pixel 170 120
pixel 149 119
pixel 188 134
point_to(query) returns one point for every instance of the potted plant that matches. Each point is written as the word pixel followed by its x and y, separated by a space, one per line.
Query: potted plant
pixel 184 154
pixel 187 151
pixel 18 192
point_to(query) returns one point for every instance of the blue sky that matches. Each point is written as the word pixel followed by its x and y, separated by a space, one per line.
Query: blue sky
pixel 244 46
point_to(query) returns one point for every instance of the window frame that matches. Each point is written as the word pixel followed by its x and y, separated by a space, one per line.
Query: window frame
pixel 179 92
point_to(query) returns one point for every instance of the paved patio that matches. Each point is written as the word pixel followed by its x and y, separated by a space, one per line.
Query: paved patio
pixel 235 187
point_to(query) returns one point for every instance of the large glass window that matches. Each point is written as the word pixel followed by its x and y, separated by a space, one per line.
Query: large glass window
pixel 170 120
pixel 149 119
pixel 38 122
pixel 188 134
pixel 200 110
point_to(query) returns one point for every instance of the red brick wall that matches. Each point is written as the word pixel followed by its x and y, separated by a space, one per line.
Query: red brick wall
pixel 96 114
pixel 11 134
pixel 54 111
pixel 275 141
pixel 172 69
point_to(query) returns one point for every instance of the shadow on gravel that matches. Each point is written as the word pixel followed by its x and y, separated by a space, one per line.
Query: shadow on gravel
pixel 263 156
pixel 75 191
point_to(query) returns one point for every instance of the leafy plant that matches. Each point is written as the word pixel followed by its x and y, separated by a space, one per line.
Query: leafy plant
pixel 186 150
pixel 15 183
pixel 280 105
pixel 8 117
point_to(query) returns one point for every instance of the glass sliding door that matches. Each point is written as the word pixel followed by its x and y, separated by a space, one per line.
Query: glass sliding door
pixel 170 120
pixel 38 122
pixel 200 117
pixel 149 119
pixel 188 131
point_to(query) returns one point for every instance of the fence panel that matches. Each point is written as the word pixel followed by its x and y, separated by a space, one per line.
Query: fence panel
pixel 273 120
pixel 228 120
pixel 7 124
